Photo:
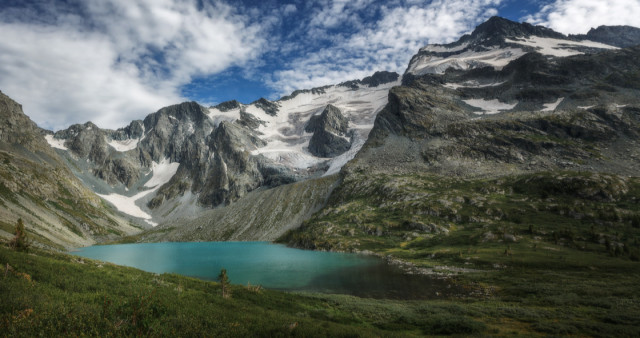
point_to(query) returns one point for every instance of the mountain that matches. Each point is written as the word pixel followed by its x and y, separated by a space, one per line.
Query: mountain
pixel 512 124
pixel 186 158
pixel 35 185
pixel 502 169
pixel 507 100
pixel 496 43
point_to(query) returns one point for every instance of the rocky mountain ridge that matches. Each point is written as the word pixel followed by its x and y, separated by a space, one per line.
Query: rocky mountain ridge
pixel 206 157
pixel 540 111
pixel 499 41
pixel 476 136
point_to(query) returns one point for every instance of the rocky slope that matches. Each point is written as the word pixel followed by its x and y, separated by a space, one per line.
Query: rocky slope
pixel 206 157
pixel 262 215
pixel 35 185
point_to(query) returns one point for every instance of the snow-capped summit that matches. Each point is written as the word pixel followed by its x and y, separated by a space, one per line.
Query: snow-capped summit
pixel 495 43
pixel 206 157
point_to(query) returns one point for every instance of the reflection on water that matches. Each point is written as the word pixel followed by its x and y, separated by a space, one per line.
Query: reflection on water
pixel 273 266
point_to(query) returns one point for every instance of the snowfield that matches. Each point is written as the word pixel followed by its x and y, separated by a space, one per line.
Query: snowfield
pixel 287 142
pixel 552 106
pixel 55 143
pixel 494 56
pixel 489 106
pixel 161 173
pixel 557 47
pixel 124 145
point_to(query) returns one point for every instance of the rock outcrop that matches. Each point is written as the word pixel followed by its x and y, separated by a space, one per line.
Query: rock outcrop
pixel 329 133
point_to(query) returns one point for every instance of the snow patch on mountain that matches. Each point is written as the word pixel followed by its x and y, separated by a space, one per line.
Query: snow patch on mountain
pixel 472 84
pixel 494 57
pixel 287 142
pixel 55 143
pixel 489 106
pixel 127 204
pixel 218 116
pixel 558 47
pixel 436 59
pixel 553 105
pixel 162 172
pixel 339 161
pixel 125 145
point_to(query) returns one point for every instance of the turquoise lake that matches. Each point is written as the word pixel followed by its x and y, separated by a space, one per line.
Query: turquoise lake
pixel 273 266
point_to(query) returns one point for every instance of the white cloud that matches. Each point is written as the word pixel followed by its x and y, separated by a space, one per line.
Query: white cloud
pixel 116 60
pixel 578 16
pixel 338 13
pixel 386 44
pixel 289 9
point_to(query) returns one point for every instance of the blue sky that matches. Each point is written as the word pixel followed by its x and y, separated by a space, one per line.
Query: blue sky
pixel 112 61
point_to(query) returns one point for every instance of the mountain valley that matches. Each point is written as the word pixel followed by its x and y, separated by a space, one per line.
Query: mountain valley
pixel 505 163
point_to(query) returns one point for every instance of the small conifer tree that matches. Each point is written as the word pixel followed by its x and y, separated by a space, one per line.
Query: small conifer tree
pixel 20 241
pixel 224 282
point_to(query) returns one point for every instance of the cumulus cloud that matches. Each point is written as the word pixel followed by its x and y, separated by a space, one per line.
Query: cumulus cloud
pixel 111 61
pixel 578 16
pixel 387 43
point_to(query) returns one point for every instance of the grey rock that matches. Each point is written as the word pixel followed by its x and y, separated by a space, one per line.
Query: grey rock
pixel 250 121
pixel 228 105
pixel 619 36
pixel 269 107
pixel 329 133
pixel 378 78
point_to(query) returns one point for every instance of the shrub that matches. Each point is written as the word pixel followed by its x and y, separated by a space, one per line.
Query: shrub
pixel 20 241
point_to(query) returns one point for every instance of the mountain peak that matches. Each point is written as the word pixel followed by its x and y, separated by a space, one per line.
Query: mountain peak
pixel 498 27
pixel 227 105
pixel 495 43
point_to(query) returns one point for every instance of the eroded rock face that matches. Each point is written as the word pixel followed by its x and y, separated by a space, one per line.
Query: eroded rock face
pixel 329 133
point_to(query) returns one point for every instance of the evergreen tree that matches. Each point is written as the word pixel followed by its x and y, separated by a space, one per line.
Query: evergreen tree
pixel 224 282
pixel 20 241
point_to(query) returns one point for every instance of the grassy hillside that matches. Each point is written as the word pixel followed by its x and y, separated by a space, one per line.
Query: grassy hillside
pixel 55 294
pixel 52 294
pixel 548 253
pixel 416 216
